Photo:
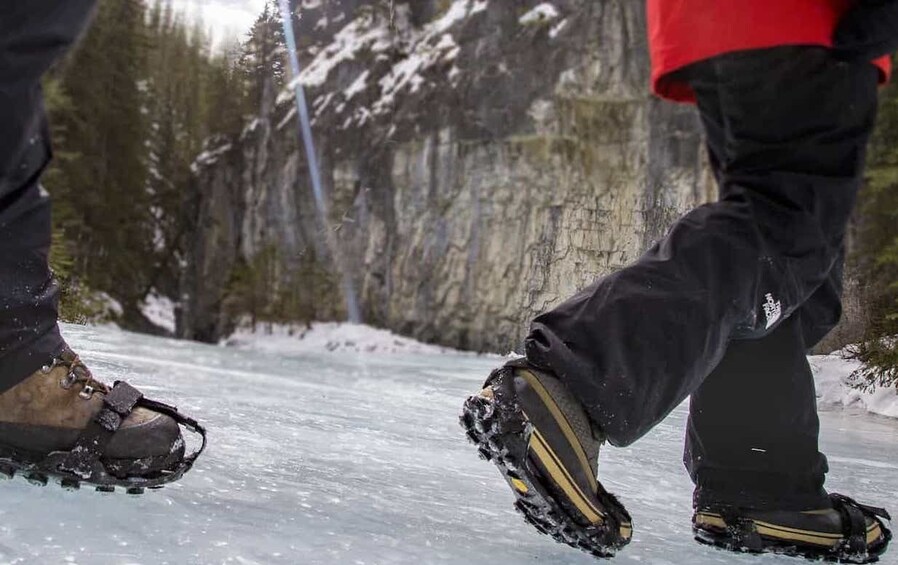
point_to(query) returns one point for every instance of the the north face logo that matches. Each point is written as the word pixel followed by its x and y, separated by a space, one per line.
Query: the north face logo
pixel 773 309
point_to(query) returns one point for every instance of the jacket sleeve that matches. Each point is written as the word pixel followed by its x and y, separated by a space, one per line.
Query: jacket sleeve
pixel 869 30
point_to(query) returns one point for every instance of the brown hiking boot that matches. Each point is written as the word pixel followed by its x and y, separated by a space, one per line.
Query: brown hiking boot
pixel 61 422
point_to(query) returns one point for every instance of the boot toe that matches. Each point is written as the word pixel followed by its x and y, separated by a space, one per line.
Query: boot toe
pixel 145 434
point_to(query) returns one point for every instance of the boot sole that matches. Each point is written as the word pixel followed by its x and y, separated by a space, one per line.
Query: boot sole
pixel 723 541
pixel 554 506
pixel 38 470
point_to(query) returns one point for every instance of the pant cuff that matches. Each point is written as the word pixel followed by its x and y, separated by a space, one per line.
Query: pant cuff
pixel 21 363
pixel 761 491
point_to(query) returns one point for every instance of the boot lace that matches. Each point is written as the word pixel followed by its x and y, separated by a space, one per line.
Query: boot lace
pixel 78 373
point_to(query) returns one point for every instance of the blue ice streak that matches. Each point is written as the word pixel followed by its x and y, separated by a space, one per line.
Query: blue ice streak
pixel 305 127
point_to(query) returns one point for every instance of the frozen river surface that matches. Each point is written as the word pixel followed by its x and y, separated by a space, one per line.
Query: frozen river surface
pixel 354 458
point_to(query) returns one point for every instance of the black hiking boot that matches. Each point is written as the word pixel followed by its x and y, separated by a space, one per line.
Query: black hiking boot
pixel 537 434
pixel 848 532
pixel 61 423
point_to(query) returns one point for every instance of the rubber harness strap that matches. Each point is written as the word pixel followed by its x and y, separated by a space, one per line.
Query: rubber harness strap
pixel 117 406
pixel 182 420
pixel 742 531
pixel 871 510
pixel 854 522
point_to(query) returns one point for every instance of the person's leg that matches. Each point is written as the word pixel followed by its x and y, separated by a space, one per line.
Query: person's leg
pixel 631 347
pixel 752 437
pixel 744 445
pixel 635 344
pixel 822 312
pixel 33 34
pixel 56 420
pixel 753 428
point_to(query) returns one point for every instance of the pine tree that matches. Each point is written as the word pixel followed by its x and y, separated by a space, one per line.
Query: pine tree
pixel 226 94
pixel 263 62
pixel 131 109
pixel 103 187
pixel 877 254
pixel 58 103
pixel 194 96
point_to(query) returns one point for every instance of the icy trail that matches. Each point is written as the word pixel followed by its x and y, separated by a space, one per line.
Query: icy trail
pixel 355 458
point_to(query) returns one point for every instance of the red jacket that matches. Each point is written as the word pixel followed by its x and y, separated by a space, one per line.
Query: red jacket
pixel 686 31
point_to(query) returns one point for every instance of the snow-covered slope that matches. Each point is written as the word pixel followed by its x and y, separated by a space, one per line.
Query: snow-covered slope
pixel 834 391
pixel 319 457
pixel 160 311
pixel 332 337
pixel 831 372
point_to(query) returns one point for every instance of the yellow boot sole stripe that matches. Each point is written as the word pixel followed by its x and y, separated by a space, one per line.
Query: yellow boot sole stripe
pixel 562 478
pixel 520 486
pixel 777 531
pixel 564 424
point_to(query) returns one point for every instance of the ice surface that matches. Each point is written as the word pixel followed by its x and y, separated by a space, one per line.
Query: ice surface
pixel 355 458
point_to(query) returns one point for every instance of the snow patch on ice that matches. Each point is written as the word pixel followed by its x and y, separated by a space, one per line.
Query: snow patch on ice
pixel 541 14
pixel 335 337
pixel 834 391
pixel 160 310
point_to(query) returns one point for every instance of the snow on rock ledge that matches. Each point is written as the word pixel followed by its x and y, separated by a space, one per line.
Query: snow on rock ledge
pixel 543 13
pixel 832 372
pixel 332 337
pixel 371 40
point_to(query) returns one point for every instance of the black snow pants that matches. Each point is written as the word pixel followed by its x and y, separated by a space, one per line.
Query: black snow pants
pixel 33 34
pixel 725 307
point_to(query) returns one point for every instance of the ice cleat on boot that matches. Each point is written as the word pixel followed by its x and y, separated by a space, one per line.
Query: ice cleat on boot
pixel 530 426
pixel 848 532
pixel 62 424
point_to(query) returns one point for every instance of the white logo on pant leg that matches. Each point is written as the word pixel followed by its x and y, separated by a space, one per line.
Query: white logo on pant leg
pixel 773 309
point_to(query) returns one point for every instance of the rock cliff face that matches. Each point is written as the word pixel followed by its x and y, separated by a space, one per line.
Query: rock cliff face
pixel 484 159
